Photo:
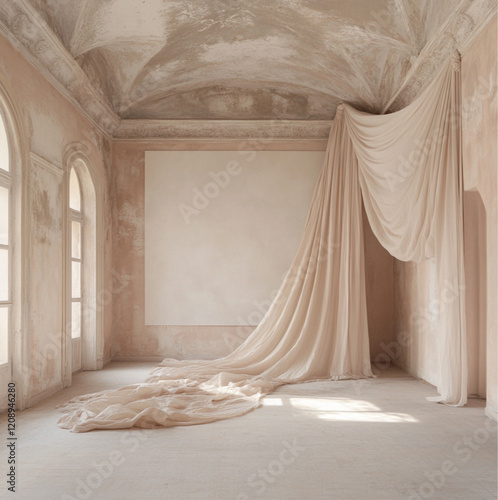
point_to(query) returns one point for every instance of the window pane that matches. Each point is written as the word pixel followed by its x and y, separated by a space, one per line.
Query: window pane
pixel 4 147
pixel 4 334
pixel 76 320
pixel 76 240
pixel 4 216
pixel 76 280
pixel 4 274
pixel 74 192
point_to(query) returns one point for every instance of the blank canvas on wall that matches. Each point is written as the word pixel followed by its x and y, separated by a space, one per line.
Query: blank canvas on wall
pixel 221 230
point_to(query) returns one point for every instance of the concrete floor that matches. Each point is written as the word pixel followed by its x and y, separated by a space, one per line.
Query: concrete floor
pixel 374 440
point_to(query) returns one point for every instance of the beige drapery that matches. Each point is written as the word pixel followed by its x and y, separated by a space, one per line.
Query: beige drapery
pixel 316 327
pixel 410 167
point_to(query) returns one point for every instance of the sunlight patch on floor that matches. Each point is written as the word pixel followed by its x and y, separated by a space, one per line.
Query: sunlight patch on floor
pixel 349 410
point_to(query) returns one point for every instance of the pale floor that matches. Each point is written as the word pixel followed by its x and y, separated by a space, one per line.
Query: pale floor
pixel 373 440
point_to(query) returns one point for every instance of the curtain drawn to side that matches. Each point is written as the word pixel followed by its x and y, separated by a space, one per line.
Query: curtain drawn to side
pixel 317 327
pixel 410 172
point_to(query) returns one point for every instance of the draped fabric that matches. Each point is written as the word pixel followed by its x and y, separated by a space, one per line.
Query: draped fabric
pixel 411 181
pixel 316 327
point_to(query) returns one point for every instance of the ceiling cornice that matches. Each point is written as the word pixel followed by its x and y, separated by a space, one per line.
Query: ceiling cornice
pixel 147 130
pixel 457 33
pixel 28 32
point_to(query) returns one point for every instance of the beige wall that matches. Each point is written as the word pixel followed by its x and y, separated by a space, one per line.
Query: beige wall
pixel 211 258
pixel 480 161
pixel 133 339
pixel 379 278
pixel 50 124
pixel 412 282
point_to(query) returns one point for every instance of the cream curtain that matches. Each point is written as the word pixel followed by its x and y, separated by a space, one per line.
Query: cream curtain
pixel 317 326
pixel 410 172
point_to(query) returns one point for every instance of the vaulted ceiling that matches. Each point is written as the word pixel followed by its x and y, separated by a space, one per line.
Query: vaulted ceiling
pixel 245 59
pixel 209 68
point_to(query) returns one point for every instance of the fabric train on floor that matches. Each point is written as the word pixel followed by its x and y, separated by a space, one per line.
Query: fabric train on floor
pixel 407 168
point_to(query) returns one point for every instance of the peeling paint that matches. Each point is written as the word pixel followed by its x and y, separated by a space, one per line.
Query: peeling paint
pixel 232 59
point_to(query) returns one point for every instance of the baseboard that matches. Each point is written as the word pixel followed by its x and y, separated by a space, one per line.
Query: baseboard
pixel 139 359
pixel 37 398
pixel 158 359
pixel 491 413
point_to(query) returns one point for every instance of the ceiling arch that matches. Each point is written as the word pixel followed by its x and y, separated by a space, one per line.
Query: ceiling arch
pixel 241 59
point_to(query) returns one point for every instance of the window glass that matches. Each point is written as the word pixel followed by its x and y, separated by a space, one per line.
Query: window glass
pixel 76 280
pixel 4 148
pixel 4 216
pixel 76 320
pixel 4 274
pixel 76 240
pixel 74 192
pixel 4 334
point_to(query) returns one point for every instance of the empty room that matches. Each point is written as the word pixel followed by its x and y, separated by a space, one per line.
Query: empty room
pixel 248 249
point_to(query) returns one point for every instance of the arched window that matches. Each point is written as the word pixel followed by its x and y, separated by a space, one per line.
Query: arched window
pixel 5 245
pixel 14 355
pixel 76 255
pixel 83 312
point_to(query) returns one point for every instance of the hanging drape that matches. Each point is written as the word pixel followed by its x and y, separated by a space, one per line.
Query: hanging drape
pixel 316 327
pixel 411 181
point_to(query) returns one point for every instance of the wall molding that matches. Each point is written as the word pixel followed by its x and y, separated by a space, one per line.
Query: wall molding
pixel 45 164
pixel 235 130
pixel 225 145
pixel 137 359
pixel 50 391
pixel 28 32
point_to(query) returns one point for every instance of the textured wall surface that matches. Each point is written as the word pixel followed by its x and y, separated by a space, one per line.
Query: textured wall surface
pixel 132 338
pixel 269 60
pixel 51 123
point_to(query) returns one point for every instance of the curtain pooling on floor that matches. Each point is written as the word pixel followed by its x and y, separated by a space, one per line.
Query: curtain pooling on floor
pixel 407 167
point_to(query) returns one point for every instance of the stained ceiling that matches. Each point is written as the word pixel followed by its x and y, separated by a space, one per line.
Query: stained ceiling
pixel 245 59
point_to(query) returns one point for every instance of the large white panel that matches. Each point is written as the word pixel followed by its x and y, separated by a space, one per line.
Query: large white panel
pixel 221 230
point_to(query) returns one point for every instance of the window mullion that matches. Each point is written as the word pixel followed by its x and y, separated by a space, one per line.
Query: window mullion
pixel 5 178
pixel 76 216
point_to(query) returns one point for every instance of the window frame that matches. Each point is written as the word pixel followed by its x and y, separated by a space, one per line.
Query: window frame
pixel 77 216
pixel 6 182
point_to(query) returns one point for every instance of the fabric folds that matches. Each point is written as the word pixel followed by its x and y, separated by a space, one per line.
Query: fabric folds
pixel 407 167
pixel 410 171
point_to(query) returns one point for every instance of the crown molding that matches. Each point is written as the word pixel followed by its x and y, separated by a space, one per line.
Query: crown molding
pixel 457 33
pixel 28 32
pixel 234 130
pixel 485 20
